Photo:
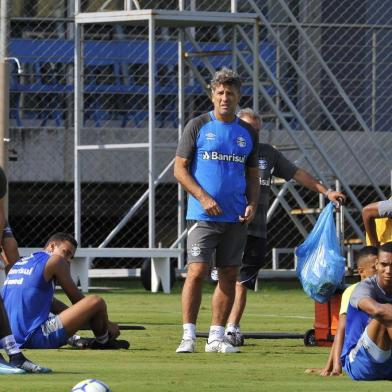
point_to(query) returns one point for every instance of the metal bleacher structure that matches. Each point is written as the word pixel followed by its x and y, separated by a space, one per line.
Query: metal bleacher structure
pixel 258 59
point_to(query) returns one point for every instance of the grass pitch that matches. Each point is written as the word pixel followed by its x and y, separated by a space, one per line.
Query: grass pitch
pixel 153 366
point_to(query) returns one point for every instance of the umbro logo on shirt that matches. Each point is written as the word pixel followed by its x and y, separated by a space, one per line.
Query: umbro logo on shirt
pixel 217 156
pixel 210 136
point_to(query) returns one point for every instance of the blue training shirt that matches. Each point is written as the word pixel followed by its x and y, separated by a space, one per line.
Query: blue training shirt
pixel 219 153
pixel 27 296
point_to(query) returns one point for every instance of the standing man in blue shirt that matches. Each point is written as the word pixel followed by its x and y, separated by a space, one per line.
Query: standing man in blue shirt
pixel 217 164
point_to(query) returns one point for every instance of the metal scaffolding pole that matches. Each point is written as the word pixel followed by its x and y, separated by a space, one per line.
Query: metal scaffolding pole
pixel 4 87
pixel 181 124
pixel 151 132
pixel 78 120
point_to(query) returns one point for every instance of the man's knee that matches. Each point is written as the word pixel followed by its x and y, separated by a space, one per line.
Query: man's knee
pixel 197 272
pixel 229 274
pixel 96 302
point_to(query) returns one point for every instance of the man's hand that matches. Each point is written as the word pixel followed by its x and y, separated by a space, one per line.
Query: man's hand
pixel 325 372
pixel 336 371
pixel 250 212
pixel 336 197
pixel 113 329
pixel 210 205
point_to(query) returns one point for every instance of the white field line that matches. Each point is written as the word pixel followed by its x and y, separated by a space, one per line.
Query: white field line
pixel 292 316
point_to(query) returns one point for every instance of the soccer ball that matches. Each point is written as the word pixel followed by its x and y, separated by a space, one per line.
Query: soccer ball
pixel 91 385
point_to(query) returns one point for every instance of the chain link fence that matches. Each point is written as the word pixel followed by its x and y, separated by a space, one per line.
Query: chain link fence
pixel 324 96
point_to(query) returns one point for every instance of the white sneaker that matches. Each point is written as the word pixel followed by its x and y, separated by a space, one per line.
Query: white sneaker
pixel 220 346
pixel 235 338
pixel 186 346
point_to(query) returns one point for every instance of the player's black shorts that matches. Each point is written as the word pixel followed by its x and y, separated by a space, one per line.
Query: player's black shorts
pixel 252 261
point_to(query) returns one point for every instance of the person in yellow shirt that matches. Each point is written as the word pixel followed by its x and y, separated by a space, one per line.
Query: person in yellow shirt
pixel 378 225
pixel 366 260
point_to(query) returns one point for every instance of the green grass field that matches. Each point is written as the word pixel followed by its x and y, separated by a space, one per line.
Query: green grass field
pixel 152 364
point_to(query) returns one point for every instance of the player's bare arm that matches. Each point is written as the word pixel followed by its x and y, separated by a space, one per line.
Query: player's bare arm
pixel 58 306
pixel 58 268
pixel 380 312
pixel 369 214
pixel 252 194
pixel 305 179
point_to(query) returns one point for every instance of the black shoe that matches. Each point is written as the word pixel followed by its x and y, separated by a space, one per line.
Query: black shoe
pixel 21 362
pixel 80 343
pixel 111 344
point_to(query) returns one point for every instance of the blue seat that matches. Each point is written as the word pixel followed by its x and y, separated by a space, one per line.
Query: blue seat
pixel 109 72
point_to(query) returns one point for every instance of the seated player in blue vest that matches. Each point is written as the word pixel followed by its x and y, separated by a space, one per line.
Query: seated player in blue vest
pixel 28 297
pixel 367 346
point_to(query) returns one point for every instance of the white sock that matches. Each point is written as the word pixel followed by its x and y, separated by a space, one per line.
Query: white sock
pixel 103 338
pixel 232 328
pixel 189 331
pixel 217 332
pixel 9 345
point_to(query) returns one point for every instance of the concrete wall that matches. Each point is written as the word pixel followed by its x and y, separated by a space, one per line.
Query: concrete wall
pixel 47 155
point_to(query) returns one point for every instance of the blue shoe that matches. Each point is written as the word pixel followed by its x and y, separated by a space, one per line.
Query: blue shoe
pixel 6 368
pixel 21 362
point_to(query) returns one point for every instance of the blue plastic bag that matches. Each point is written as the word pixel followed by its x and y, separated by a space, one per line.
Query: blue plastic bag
pixel 320 266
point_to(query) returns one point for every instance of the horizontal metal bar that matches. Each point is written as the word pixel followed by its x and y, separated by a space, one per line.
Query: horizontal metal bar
pixel 167 17
pixel 116 252
pixel 125 146
pixel 208 53
pixel 114 273
pixel 273 24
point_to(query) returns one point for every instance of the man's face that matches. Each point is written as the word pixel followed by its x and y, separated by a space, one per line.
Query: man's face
pixel 368 267
pixel 384 269
pixel 254 122
pixel 225 99
pixel 64 249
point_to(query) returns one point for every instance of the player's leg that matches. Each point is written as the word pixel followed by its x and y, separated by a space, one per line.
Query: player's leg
pixel 380 334
pixel 252 261
pixel 91 310
pixel 191 292
pixel 371 358
pixel 9 245
pixel 17 359
pixel 200 246
pixel 228 259
pixel 10 251
pixel 223 298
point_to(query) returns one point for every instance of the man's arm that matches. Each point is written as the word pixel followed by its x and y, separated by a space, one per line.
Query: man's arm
pixel 57 268
pixel 252 193
pixel 380 312
pixel 181 173
pixel 369 214
pixel 2 218
pixel 333 366
pixel 338 346
pixel 58 306
pixel 308 181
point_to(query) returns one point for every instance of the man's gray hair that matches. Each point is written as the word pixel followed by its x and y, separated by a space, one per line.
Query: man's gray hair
pixel 226 76
pixel 248 112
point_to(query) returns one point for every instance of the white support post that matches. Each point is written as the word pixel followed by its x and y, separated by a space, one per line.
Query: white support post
pixel 160 273
pixel 79 272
